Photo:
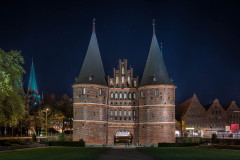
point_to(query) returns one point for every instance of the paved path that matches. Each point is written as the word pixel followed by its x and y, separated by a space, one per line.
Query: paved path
pixel 124 154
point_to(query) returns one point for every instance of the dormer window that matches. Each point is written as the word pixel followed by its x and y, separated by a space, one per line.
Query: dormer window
pixel 154 78
pixel 90 78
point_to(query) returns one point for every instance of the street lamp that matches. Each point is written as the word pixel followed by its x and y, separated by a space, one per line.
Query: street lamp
pixel 46 123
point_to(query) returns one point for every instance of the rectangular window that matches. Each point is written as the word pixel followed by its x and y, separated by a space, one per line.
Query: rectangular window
pixel 117 80
pixel 115 113
pixel 129 113
pixel 111 112
pixel 156 93
pixel 125 113
pixel 122 80
pixel 134 113
pixel 120 113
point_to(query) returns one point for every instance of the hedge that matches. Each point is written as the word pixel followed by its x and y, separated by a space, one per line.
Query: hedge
pixel 67 143
pixel 177 144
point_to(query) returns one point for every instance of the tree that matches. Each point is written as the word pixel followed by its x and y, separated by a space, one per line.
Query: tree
pixel 12 106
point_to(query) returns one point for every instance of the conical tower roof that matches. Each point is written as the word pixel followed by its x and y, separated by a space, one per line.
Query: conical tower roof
pixel 32 85
pixel 155 72
pixel 92 71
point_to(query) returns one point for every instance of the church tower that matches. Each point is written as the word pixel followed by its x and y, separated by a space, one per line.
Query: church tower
pixel 157 100
pixel 90 93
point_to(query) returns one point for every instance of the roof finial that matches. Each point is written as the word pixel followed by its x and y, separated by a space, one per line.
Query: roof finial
pixel 93 25
pixel 153 26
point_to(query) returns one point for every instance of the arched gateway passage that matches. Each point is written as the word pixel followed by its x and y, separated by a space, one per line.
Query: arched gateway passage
pixel 122 137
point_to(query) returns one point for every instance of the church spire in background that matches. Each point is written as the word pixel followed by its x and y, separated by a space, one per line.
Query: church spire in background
pixel 32 85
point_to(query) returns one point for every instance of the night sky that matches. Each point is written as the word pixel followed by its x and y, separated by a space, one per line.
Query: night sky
pixel 201 41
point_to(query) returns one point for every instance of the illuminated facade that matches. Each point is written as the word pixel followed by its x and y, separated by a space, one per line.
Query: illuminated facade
pixel 118 109
pixel 203 121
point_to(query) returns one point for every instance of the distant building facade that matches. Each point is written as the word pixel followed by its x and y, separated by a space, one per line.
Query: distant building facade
pixel 120 109
pixel 199 120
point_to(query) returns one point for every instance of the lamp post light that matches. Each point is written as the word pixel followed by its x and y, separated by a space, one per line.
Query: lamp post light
pixel 46 123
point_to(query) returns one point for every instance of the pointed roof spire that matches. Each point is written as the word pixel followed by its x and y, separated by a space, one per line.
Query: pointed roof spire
pixel 155 72
pixel 93 25
pixel 154 27
pixel 92 71
pixel 32 85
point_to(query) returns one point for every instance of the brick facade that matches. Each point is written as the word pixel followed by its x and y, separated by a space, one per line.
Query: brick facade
pixel 198 120
pixel 148 112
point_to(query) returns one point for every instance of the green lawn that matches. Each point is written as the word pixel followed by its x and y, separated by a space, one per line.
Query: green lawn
pixel 190 153
pixel 53 153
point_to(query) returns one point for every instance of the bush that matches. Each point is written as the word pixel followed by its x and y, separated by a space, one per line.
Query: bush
pixel 177 144
pixel 80 143
pixel 61 137
pixel 214 138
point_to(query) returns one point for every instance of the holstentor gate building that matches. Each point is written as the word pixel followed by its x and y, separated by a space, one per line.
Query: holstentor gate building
pixel 107 110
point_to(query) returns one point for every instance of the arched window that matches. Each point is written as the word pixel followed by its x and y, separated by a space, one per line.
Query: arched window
pixel 125 95
pixel 116 95
pixel 117 80
pixel 128 80
pixel 130 95
pixel 122 79
pixel 111 95
pixel 120 95
pixel 134 95
pixel 84 90
pixel 129 113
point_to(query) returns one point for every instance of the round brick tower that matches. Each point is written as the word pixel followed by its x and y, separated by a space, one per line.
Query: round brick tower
pixel 90 93
pixel 157 100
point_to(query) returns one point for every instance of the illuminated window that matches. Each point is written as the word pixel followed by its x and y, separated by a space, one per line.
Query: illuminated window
pixel 129 95
pixel 117 80
pixel 116 95
pixel 129 113
pixel 134 95
pixel 123 72
pixel 128 79
pixel 84 90
pixel 111 95
pixel 120 95
pixel 100 91
pixel 125 95
pixel 120 113
pixel 111 82
pixel 134 83
pixel 111 112
pixel 125 113
pixel 134 113
pixel 122 80
pixel 115 113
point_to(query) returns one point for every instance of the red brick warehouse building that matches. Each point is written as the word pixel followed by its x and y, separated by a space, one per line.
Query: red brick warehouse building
pixel 120 109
